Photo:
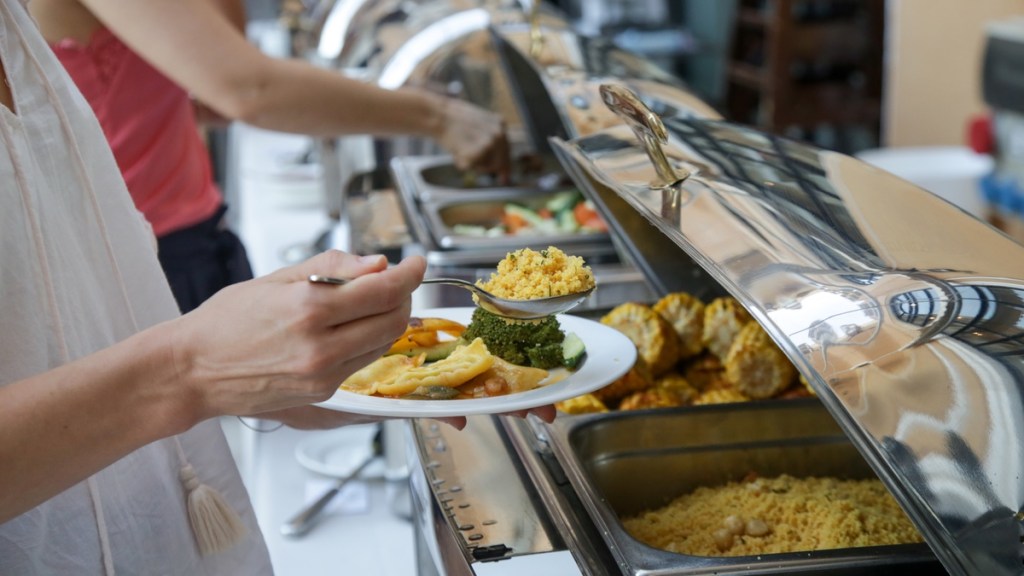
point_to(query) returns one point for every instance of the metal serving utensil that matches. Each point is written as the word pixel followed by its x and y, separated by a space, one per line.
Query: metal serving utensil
pixel 302 522
pixel 516 309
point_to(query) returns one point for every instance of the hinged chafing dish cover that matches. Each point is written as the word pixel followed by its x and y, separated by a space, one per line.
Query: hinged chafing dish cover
pixel 903 312
pixel 556 86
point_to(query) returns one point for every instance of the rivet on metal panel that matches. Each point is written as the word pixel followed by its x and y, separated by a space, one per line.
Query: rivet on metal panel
pixel 475 537
pixel 456 489
pixel 489 522
pixel 465 527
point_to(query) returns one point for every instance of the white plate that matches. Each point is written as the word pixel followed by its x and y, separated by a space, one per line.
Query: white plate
pixel 610 354
pixel 338 452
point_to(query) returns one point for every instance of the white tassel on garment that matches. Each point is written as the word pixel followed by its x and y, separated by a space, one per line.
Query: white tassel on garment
pixel 215 524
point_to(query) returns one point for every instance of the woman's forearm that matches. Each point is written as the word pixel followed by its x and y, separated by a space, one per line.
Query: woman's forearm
pixel 59 427
pixel 259 346
pixel 195 45
pixel 292 96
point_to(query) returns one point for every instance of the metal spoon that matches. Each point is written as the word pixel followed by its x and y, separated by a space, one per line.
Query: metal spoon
pixel 516 309
pixel 306 519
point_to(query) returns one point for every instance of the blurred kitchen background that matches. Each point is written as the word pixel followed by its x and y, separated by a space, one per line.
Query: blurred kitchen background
pixel 898 81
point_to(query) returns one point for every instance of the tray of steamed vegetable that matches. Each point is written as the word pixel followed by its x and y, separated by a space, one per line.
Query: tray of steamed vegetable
pixel 508 218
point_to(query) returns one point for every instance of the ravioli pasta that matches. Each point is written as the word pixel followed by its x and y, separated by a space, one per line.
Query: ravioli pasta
pixel 463 364
pixel 381 372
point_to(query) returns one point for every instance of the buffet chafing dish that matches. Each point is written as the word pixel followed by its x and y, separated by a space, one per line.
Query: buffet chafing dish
pixel 464 48
pixel 903 312
pixel 439 46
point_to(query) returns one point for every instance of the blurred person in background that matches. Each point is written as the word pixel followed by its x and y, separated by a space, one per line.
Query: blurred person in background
pixel 140 64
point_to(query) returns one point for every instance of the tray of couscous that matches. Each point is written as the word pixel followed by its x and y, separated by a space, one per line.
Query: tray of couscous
pixel 758 487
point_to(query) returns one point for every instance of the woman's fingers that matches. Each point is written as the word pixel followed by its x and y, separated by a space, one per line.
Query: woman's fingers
pixel 316 418
pixel 545 413
pixel 475 137
pixel 366 295
pixel 334 263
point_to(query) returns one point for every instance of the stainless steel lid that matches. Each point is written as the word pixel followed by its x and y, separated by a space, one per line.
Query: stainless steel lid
pixel 905 313
pixel 555 73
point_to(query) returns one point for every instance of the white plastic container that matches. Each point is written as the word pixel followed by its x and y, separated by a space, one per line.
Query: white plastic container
pixel 950 172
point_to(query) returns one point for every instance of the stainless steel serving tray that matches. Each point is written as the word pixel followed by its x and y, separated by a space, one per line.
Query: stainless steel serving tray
pixel 433 212
pixel 621 464
pixel 435 178
pixel 485 209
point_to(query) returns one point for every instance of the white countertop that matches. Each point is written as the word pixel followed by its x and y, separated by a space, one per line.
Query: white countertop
pixel 365 530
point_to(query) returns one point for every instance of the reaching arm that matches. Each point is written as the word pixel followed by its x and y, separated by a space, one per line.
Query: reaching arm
pixel 265 345
pixel 194 45
pixel 234 11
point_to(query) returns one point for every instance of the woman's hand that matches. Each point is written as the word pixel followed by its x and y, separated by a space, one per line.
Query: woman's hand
pixel 475 137
pixel 280 341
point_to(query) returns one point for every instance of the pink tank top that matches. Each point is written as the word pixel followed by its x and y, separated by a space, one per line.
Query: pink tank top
pixel 150 124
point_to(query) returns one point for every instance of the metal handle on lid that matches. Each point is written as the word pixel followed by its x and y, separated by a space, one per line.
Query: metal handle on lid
pixel 536 34
pixel 648 129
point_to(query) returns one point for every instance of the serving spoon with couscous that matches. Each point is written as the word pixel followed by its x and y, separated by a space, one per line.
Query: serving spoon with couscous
pixel 528 285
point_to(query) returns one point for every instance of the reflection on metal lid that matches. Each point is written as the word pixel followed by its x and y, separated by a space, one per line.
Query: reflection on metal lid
pixel 429 41
pixel 904 312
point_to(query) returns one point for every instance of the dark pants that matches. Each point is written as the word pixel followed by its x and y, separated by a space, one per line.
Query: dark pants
pixel 202 259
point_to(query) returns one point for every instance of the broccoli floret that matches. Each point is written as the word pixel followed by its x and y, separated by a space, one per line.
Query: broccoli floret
pixel 534 343
pixel 546 356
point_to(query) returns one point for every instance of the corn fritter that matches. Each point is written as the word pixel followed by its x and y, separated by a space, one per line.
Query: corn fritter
pixel 756 366
pixel 723 319
pixel 720 396
pixel 686 315
pixel 651 398
pixel 655 339
pixel 585 404
pixel 637 378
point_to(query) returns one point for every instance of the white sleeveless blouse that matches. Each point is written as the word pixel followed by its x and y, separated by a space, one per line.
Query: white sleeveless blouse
pixel 78 272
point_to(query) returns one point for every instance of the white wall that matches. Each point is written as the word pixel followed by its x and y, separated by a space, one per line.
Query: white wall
pixel 933 75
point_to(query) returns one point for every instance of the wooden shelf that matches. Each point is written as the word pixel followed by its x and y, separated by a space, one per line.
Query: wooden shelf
pixel 786 73
pixel 747 75
pixel 751 17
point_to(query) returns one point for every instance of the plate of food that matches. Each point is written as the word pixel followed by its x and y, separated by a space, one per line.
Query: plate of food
pixel 465 361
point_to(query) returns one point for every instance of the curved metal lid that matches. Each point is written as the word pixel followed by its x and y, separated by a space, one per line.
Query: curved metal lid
pixel 555 74
pixel 905 313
